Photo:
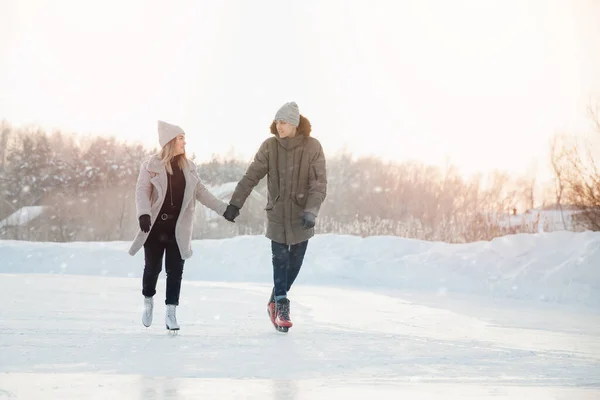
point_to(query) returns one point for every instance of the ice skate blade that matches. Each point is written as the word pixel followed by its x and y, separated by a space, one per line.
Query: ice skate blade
pixel 283 329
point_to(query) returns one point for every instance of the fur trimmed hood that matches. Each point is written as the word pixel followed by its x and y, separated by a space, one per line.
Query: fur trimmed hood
pixel 304 127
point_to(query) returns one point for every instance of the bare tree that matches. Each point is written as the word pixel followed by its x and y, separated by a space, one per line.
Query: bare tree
pixel 559 182
pixel 5 130
pixel 577 175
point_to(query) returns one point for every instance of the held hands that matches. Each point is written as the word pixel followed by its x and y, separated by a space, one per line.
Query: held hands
pixel 308 220
pixel 145 223
pixel 231 213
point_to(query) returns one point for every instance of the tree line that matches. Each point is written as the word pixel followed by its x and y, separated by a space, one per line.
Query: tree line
pixel 86 186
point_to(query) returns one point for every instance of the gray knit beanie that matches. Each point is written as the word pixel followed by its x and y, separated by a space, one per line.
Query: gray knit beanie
pixel 289 113
pixel 168 132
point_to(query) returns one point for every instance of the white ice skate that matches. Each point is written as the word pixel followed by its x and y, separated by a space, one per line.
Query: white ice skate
pixel 148 309
pixel 171 318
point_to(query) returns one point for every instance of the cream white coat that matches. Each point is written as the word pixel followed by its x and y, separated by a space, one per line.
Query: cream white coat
pixel 150 193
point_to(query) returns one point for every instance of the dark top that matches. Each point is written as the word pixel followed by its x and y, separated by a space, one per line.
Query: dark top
pixel 174 197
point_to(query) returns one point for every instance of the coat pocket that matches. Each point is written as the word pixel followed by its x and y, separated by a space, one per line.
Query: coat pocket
pixel 271 203
pixel 297 211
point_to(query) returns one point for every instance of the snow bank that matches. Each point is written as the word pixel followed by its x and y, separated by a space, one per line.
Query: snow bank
pixel 562 267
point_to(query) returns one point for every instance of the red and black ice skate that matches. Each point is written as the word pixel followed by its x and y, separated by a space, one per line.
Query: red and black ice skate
pixel 279 313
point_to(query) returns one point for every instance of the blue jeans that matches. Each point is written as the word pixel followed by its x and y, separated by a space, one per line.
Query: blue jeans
pixel 287 261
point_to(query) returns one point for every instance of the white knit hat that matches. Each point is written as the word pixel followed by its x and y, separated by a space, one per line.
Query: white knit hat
pixel 168 132
pixel 289 113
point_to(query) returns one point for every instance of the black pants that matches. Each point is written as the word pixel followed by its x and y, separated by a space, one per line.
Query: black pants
pixel 287 261
pixel 158 243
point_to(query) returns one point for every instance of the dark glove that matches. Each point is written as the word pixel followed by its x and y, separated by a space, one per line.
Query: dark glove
pixel 145 223
pixel 308 220
pixel 231 213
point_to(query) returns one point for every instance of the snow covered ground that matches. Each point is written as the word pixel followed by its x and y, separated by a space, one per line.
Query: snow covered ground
pixel 514 318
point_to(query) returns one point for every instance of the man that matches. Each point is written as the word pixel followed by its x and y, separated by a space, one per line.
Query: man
pixel 294 164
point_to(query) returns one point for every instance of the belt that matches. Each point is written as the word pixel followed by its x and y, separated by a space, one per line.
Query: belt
pixel 165 216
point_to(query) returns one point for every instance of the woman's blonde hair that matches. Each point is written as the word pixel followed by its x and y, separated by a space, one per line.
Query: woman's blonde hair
pixel 167 153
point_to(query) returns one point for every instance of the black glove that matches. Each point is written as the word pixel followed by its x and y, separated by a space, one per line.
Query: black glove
pixel 231 213
pixel 145 223
pixel 308 220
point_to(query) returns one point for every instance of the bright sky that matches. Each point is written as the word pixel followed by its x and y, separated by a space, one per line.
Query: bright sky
pixel 482 83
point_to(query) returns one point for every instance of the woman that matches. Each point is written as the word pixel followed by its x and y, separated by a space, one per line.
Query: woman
pixel 166 188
